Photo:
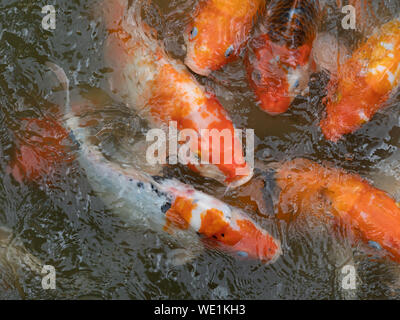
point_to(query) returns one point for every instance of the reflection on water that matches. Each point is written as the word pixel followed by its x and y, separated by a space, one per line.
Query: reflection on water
pixel 95 253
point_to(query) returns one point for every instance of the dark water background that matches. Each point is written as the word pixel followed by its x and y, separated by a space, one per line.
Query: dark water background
pixel 95 253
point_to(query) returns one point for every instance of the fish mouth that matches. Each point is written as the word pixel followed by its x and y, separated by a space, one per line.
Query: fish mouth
pixel 191 64
pixel 255 243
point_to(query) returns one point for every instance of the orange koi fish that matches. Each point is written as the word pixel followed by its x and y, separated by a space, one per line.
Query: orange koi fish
pixel 218 32
pixel 42 147
pixel 163 90
pixel 279 60
pixel 364 83
pixel 370 212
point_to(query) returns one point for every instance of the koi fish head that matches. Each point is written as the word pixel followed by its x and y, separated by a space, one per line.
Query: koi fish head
pixel 215 145
pixel 217 33
pixel 277 74
pixel 364 83
pixel 244 237
pixel 43 147
pixel 347 114
pixel 207 49
pixel 228 227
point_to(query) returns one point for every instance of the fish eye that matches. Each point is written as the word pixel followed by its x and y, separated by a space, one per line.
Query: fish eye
pixel 229 51
pixel 375 245
pixel 242 254
pixel 193 33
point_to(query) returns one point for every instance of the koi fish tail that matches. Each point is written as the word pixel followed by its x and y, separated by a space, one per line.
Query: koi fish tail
pixel 63 79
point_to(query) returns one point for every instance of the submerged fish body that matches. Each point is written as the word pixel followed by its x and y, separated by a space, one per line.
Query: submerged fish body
pixel 370 212
pixel 279 61
pixel 163 90
pixel 218 31
pixel 364 83
pixel 40 150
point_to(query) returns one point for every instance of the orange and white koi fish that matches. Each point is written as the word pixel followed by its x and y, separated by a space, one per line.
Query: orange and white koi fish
pixel 279 61
pixel 165 205
pixel 218 32
pixel 163 90
pixel 370 212
pixel 364 83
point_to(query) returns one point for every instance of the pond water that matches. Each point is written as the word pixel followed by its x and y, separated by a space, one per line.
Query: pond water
pixel 96 254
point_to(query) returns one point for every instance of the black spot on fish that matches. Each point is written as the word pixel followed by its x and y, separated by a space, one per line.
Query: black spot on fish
pixel 159 193
pixel 166 206
pixel 140 185
pixel 158 178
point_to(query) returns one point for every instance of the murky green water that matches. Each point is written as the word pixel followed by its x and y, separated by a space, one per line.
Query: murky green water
pixel 96 254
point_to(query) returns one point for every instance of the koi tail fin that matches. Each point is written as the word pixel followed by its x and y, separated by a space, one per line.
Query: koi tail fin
pixel 62 77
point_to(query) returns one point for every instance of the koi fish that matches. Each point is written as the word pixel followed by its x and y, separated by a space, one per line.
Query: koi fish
pixel 42 147
pixel 167 204
pixel 370 212
pixel 164 90
pixel 218 32
pixel 279 60
pixel 364 84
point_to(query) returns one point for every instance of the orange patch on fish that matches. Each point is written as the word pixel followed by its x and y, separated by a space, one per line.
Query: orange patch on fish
pixel 165 104
pixel 212 222
pixel 180 213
